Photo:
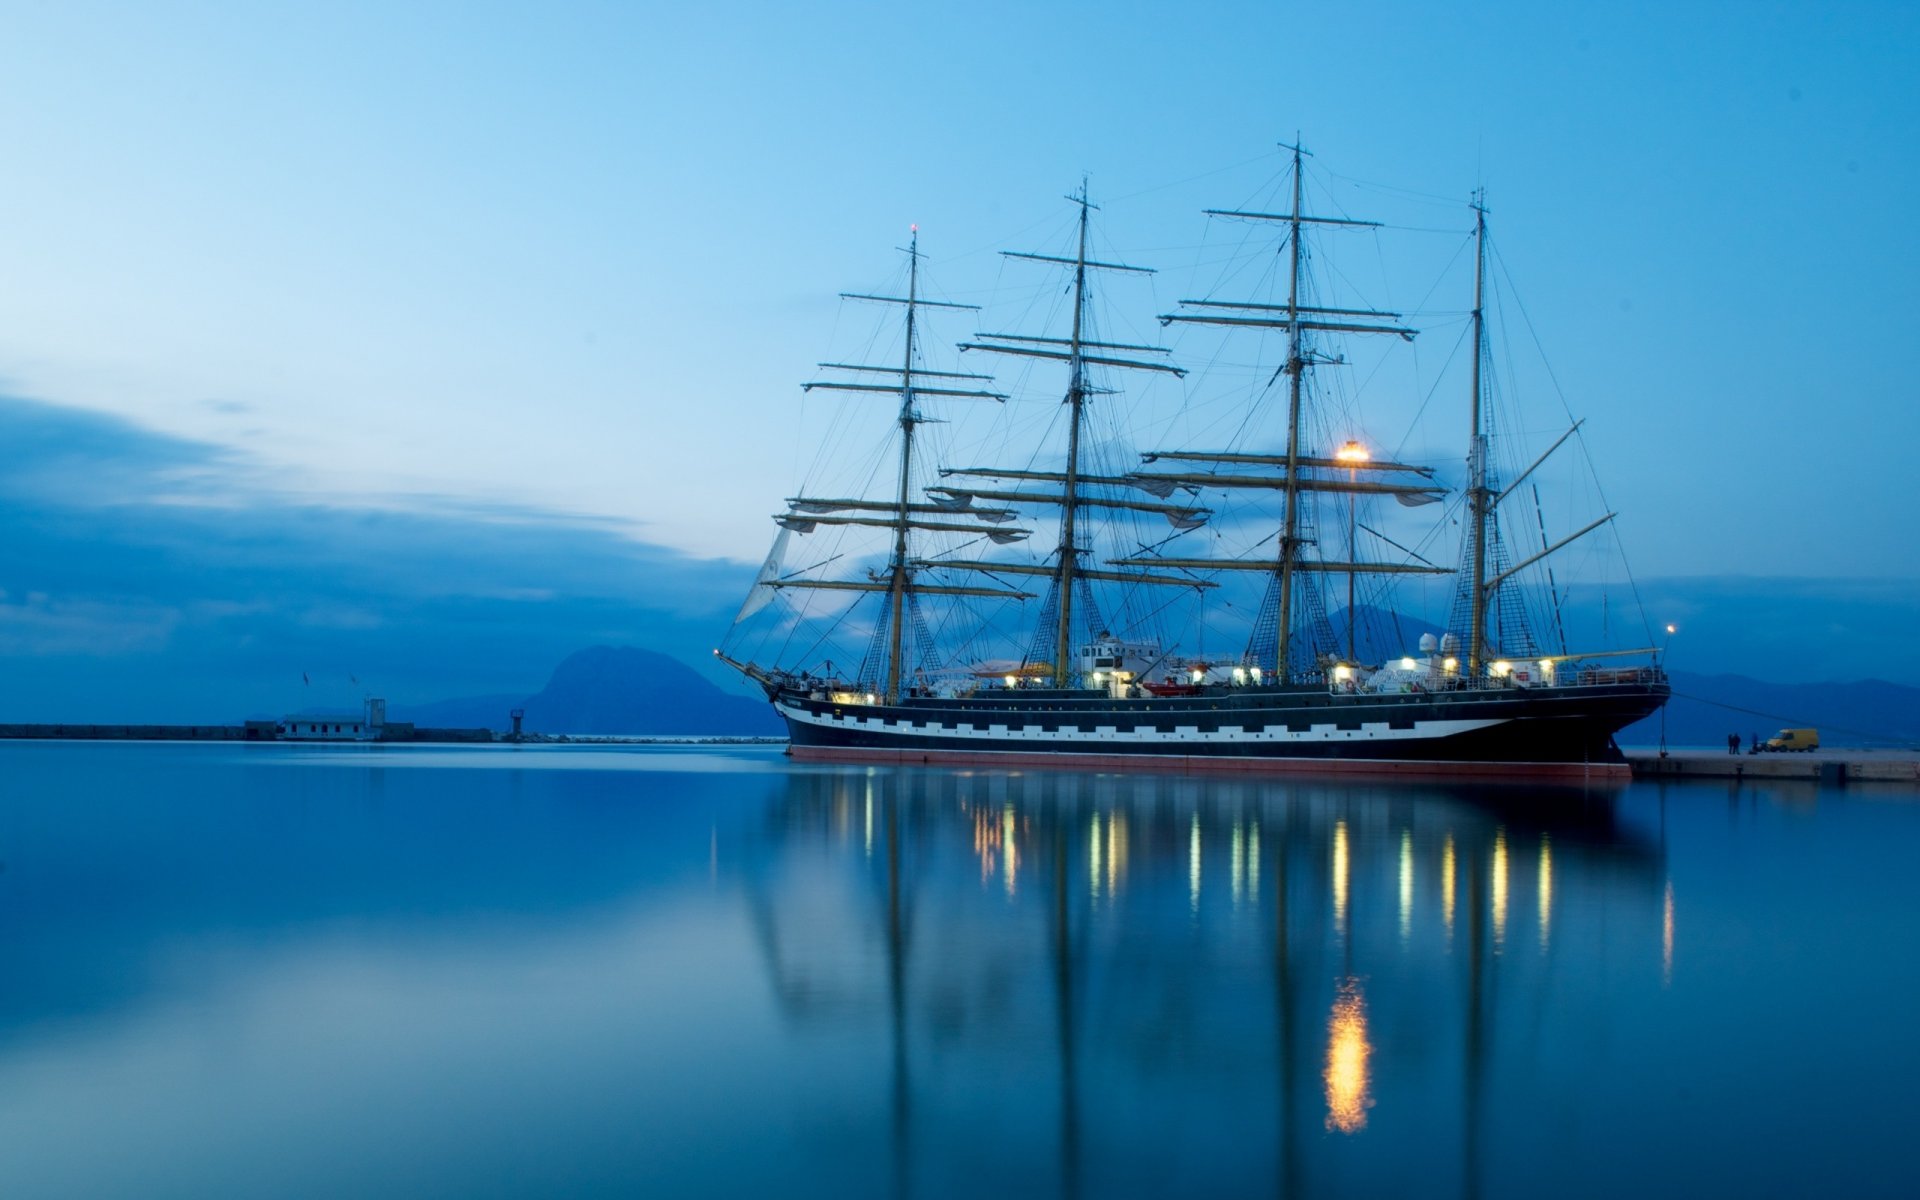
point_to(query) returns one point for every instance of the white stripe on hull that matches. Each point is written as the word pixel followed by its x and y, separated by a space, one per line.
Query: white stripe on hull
pixel 1110 735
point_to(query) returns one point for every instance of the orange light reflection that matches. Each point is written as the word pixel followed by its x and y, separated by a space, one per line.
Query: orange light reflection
pixel 1349 1094
pixel 1341 866
pixel 1499 889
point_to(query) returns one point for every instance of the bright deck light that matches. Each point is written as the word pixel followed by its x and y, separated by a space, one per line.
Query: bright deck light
pixel 1010 681
pixel 1352 453
pixel 1502 669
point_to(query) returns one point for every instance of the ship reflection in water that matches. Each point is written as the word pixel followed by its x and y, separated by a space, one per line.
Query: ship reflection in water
pixel 447 972
pixel 1189 955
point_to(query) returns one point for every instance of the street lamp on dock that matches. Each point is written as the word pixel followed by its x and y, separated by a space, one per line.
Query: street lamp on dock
pixel 1353 454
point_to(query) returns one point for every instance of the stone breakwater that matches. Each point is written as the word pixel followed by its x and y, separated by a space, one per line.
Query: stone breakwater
pixel 251 731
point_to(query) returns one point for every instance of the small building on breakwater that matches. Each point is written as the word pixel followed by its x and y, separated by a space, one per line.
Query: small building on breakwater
pixel 342 725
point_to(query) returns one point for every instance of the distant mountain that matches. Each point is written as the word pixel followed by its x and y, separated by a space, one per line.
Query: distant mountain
pixel 1380 634
pixel 618 689
pixel 1706 708
pixel 610 690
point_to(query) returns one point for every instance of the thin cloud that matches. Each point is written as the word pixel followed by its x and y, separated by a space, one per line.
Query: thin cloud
pixel 159 578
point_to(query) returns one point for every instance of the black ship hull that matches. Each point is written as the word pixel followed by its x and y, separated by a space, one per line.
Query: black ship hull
pixel 1499 731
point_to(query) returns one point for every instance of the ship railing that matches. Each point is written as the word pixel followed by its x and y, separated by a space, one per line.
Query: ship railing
pixel 1615 676
pixel 1416 685
pixel 1460 682
pixel 1412 686
pixel 1585 677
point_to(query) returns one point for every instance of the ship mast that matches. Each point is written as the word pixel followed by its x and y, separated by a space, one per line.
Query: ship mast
pixel 1297 319
pixel 1483 500
pixel 1076 402
pixel 1479 497
pixel 1296 370
pixel 898 573
pixel 1067 572
pixel 901 515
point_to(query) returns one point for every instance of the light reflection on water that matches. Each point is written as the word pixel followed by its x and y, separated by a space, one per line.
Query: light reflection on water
pixel 1546 892
pixel 602 971
pixel 1348 1096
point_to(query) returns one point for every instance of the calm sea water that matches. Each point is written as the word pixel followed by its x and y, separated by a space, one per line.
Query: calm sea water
pixel 274 971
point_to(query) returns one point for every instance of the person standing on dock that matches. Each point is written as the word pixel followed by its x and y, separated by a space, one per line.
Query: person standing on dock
pixel 1733 743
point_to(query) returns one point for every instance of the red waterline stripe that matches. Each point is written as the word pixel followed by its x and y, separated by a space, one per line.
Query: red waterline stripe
pixel 1193 764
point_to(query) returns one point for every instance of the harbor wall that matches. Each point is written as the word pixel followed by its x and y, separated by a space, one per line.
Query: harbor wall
pixel 1825 767
pixel 251 731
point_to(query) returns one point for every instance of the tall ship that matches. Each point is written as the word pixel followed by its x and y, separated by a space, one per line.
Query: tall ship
pixel 1091 649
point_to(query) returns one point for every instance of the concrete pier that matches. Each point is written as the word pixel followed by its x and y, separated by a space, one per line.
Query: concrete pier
pixel 1819 766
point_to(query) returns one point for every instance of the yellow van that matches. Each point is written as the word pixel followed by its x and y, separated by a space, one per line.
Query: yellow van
pixel 1794 739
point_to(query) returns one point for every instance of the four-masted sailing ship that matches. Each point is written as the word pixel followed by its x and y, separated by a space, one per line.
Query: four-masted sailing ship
pixel 1483 695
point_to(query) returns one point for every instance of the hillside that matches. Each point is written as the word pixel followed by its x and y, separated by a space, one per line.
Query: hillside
pixel 610 690
pixel 1706 708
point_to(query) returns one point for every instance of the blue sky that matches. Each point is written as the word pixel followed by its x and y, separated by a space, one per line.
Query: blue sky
pixel 468 271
